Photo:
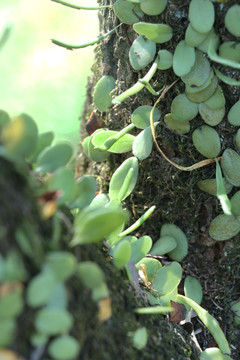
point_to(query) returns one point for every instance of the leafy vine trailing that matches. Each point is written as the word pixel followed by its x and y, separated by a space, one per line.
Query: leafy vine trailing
pixel 102 216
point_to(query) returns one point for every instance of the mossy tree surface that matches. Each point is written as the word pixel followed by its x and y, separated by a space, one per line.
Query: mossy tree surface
pixel 175 193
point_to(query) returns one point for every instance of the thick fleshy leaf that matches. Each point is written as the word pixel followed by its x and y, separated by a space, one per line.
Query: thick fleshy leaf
pixel 153 7
pixel 165 59
pixel 183 58
pixel 159 33
pixel 234 114
pixel 44 140
pixel 101 95
pixel 90 273
pixel 210 186
pixel 193 289
pixel 141 52
pixel 20 136
pixel 40 288
pixel 93 225
pixel 124 179
pixel 63 180
pixel 163 245
pixel 232 20
pixel 201 15
pixel 124 144
pixel 235 204
pixel 143 143
pixel 167 278
pixel 62 264
pixel 92 152
pixel 211 117
pixel 64 347
pixel 51 321
pixel 121 254
pixel 181 249
pixel 224 227
pixel 141 116
pixel 193 37
pixel 86 188
pixel 139 338
pixel 230 165
pixel 182 109
pixel 202 93
pixel 206 140
pixel 54 157
pixel 152 267
pixel 139 248
pixel 200 71
pixel 217 100
pixel 212 37
pixel 230 50
pixel 127 12
pixel 181 127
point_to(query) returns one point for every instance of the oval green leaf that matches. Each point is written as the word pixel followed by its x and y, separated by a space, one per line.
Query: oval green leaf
pixel 181 127
pixel 167 278
pixel 101 95
pixel 163 245
pixel 232 20
pixel 183 58
pixel 40 288
pixel 165 59
pixel 153 7
pixel 230 165
pixel 62 264
pixel 201 15
pixel 141 116
pixel 158 33
pixel 139 248
pixel 224 227
pixel 141 52
pixel 233 115
pixel 143 143
pixel 91 274
pixel 64 347
pixel 207 142
pixel 181 249
pixel 54 157
pixel 121 254
pixel 53 321
pixel 126 12
pixel 182 109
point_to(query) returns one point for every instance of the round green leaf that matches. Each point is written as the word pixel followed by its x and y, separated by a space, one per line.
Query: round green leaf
pixel 194 38
pixel 167 278
pixel 201 15
pixel 224 227
pixel 234 114
pixel 139 248
pixel 63 180
pixel 121 254
pixel 51 321
pixel 230 50
pixel 182 109
pixel 163 245
pixel 210 186
pixel 181 249
pixel 91 274
pixel 141 52
pixel 101 95
pixel 118 188
pixel 230 165
pixel 206 140
pixel 11 304
pixel 92 152
pixel 159 33
pixel 20 136
pixel 40 288
pixel 232 20
pixel 141 116
pixel 235 204
pixel 95 224
pixel 153 7
pixel 181 127
pixel 64 347
pixel 211 117
pixel 217 100
pixel 200 71
pixel 140 338
pixel 183 58
pixel 126 12
pixel 204 92
pixel 59 297
pixel 193 289
pixel 62 264
pixel 86 188
pixel 165 59
pixel 44 140
pixel 54 157
pixel 7 328
pixel 143 143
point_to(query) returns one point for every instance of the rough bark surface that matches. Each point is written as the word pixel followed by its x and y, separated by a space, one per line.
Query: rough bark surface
pixel 175 193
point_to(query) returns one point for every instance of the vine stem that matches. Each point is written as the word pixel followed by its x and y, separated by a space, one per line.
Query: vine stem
pixel 77 7
pixel 71 47
pixel 184 168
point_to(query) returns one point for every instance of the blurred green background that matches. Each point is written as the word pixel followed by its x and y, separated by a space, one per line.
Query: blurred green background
pixel 39 78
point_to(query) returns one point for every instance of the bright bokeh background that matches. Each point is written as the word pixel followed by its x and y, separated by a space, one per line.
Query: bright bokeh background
pixel 39 78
